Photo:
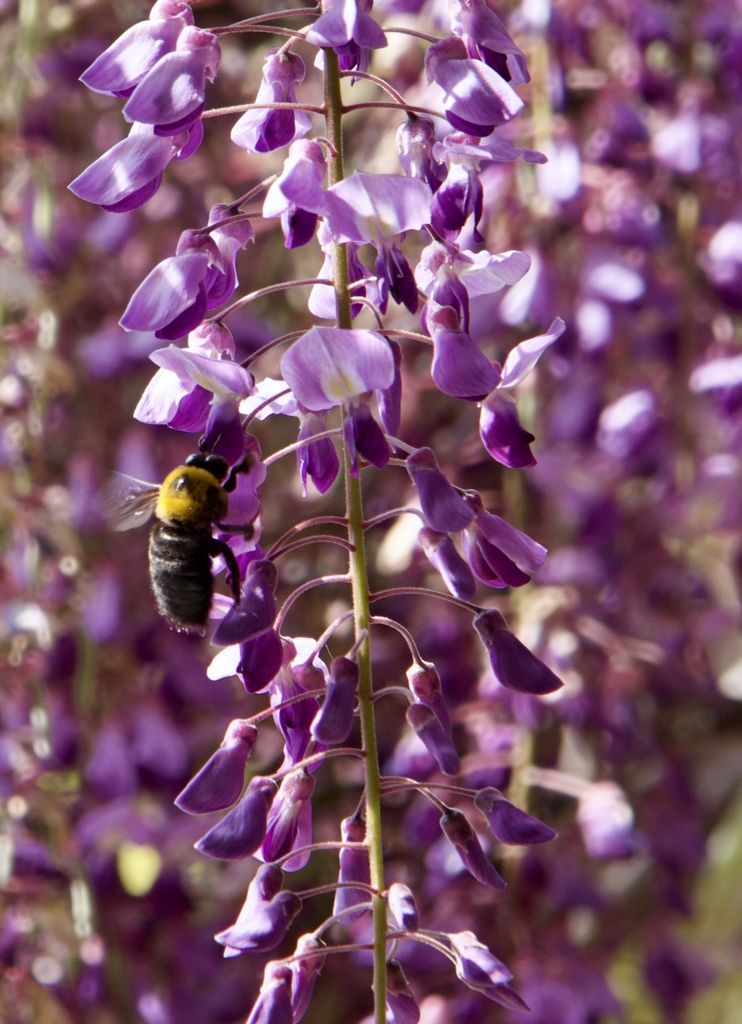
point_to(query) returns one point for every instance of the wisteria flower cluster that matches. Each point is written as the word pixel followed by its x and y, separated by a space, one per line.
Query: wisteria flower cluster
pixel 428 289
pixel 345 384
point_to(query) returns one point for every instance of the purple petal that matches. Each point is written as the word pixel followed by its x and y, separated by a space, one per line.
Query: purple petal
pixel 476 98
pixel 260 661
pixel 509 823
pixel 256 611
pixel 133 54
pixel 169 290
pixel 525 552
pixel 241 832
pixel 522 359
pixel 334 720
pixel 502 433
pixel 273 1005
pixel 402 905
pixel 425 683
pixel 443 507
pixel 475 964
pixel 401 1007
pixel 305 971
pixel 442 553
pixel 329 366
pixel 460 368
pixel 219 783
pixel 354 867
pixel 265 927
pixel 364 436
pixel 173 90
pixel 437 741
pixel 513 665
pixel 384 204
pixel 125 170
pixel 463 838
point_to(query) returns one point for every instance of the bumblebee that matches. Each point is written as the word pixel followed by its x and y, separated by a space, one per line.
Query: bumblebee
pixel 191 500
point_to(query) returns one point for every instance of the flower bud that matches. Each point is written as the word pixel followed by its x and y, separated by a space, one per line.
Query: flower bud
pixel 219 783
pixel 241 831
pixel 334 720
pixel 354 867
pixel 402 905
pixel 513 665
pixel 437 741
pixel 509 823
pixel 461 835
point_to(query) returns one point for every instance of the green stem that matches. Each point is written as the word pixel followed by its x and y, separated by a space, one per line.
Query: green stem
pixel 358 575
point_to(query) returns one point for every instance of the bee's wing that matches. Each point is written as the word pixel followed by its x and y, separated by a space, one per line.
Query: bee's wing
pixel 126 502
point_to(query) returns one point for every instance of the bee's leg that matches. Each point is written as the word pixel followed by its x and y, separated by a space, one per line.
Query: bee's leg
pixel 220 547
pixel 239 467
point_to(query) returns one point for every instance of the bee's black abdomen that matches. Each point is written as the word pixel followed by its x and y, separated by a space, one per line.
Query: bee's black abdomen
pixel 180 571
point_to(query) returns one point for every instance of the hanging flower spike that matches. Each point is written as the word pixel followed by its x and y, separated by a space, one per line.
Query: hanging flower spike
pixel 354 867
pixel 498 553
pixel 171 96
pixel 476 99
pixel 120 68
pixel 130 173
pixel 262 131
pixel 219 783
pixel 182 392
pixel 330 366
pixel 499 426
pixel 443 556
pixel 349 30
pixel 513 665
pixel 486 38
pixel 305 162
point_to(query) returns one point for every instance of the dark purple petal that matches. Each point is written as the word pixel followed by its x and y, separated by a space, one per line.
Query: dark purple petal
pixel 502 434
pixel 264 928
pixel 318 460
pixel 476 966
pixel 437 741
pixel 401 1007
pixel 490 565
pixel 263 130
pixel 241 831
pixel 509 823
pixel 273 1005
pixel 443 507
pixel 334 720
pixel 219 783
pixel 299 226
pixel 394 273
pixel 460 368
pixel 305 972
pixel 463 838
pixel 513 665
pixel 256 612
pixel 290 821
pixel 442 553
pixel 364 436
pixel 425 683
pixel 260 661
pixel 354 867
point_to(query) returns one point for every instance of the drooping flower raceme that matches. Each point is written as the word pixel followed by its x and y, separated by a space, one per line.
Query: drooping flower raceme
pixel 349 390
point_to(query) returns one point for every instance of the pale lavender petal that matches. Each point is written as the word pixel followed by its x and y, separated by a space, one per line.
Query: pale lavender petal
pixel 174 88
pixel 522 359
pixel 385 204
pixel 329 366
pixel 126 168
pixel 168 290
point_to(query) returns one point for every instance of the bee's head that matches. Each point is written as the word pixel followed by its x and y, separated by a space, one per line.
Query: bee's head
pixel 214 464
